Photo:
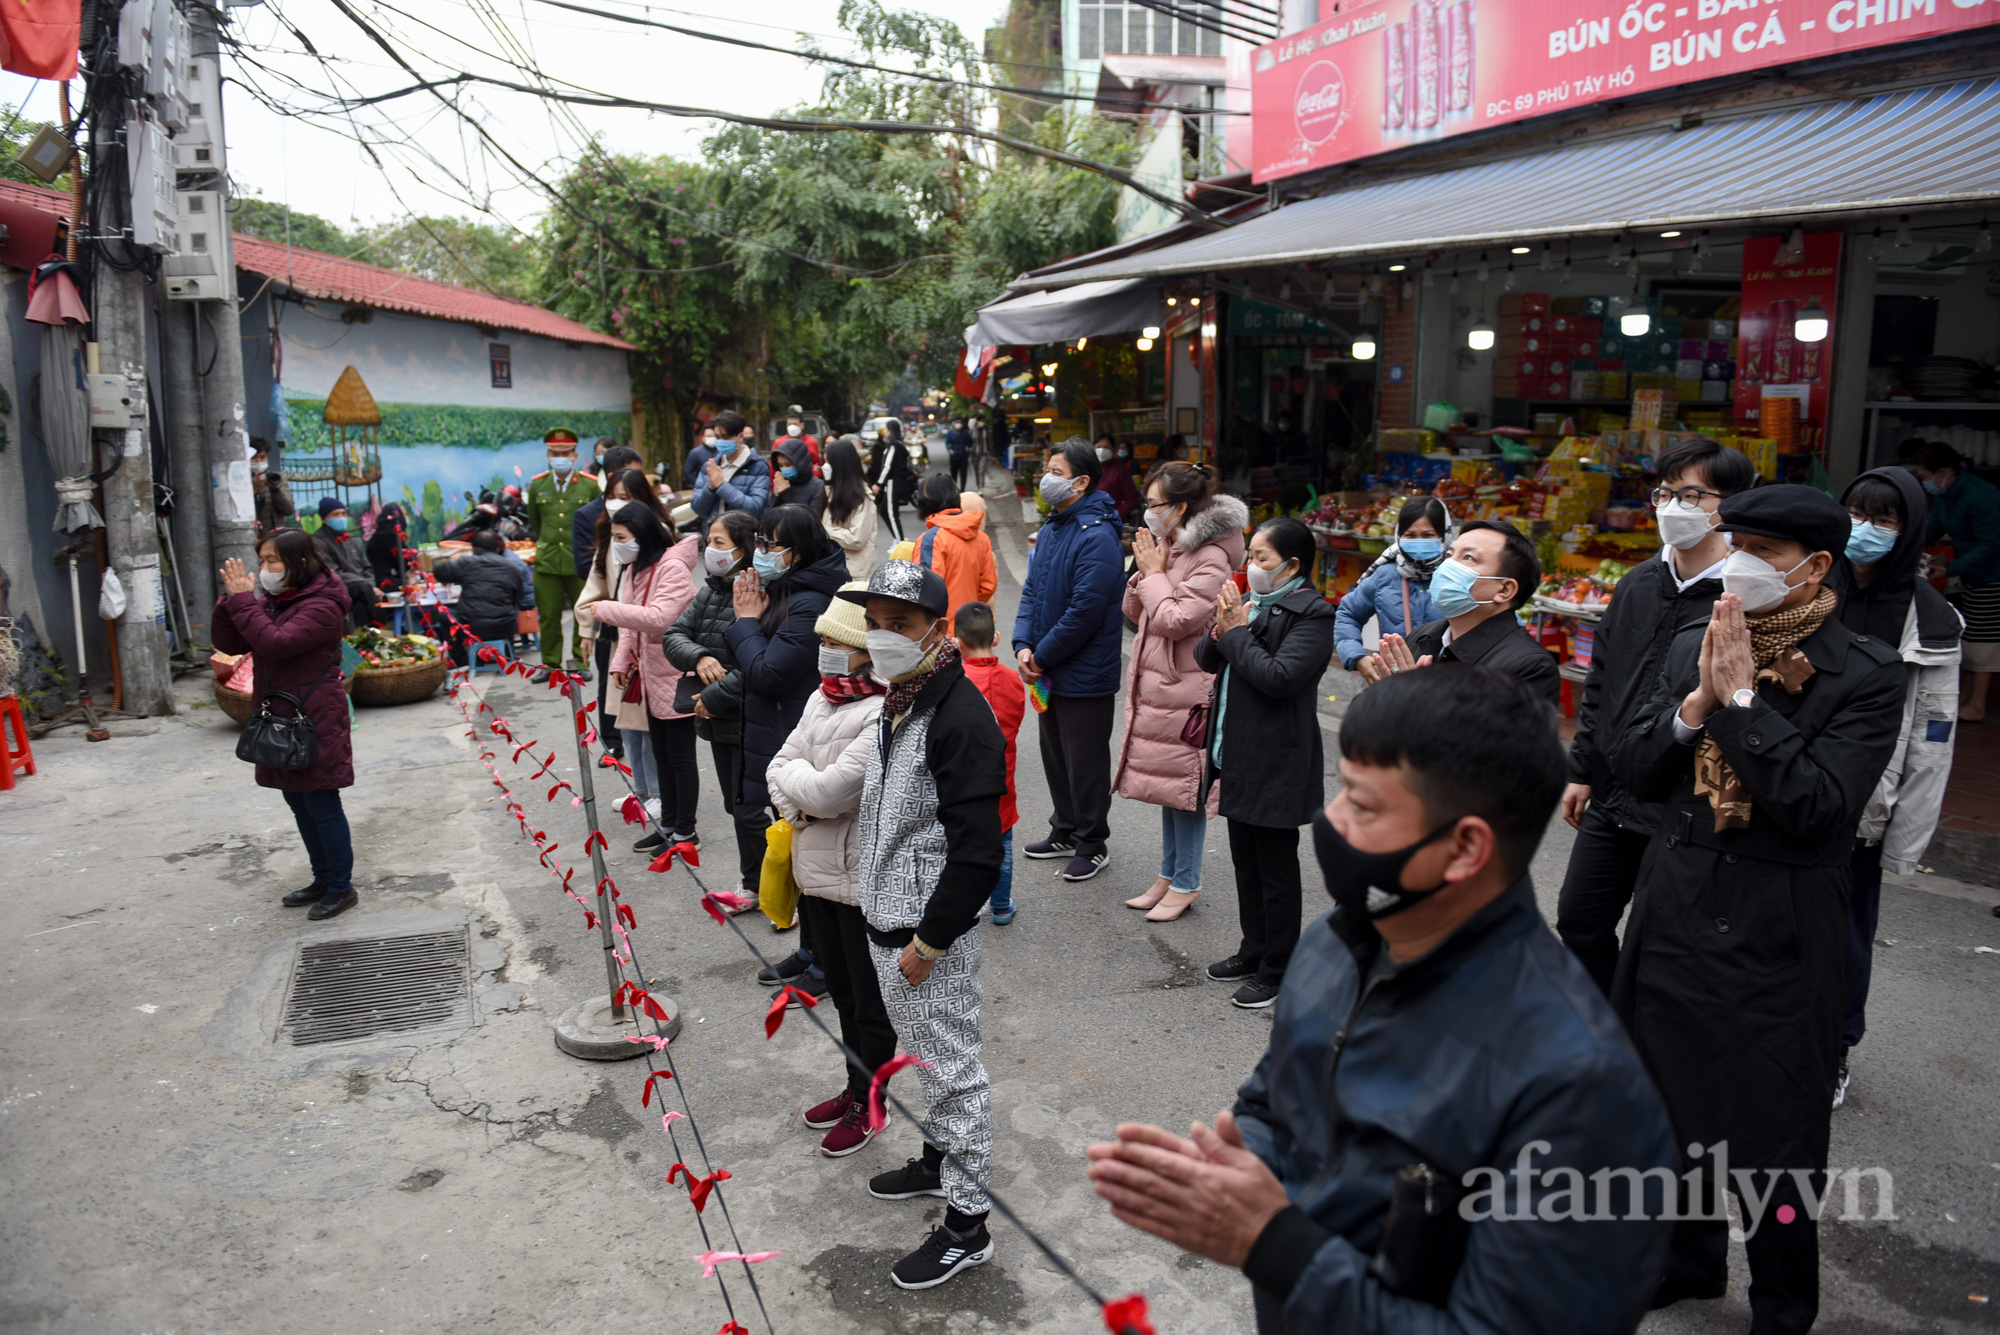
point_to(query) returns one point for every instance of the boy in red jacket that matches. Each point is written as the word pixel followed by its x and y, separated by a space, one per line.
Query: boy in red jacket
pixel 1001 685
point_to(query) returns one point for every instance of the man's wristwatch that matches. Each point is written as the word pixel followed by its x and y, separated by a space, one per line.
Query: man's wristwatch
pixel 1743 698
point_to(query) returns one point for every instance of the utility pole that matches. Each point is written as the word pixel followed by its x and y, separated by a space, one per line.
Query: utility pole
pixel 225 442
pixel 182 411
pixel 129 527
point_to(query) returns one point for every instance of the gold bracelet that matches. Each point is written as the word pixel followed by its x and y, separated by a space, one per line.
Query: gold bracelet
pixel 925 951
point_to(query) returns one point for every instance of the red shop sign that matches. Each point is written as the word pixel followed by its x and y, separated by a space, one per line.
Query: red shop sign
pixel 1384 74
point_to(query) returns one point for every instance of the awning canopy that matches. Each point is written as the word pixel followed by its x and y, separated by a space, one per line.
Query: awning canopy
pixel 1083 311
pixel 1895 152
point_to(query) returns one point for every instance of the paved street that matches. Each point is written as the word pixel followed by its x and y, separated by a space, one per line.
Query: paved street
pixel 172 1168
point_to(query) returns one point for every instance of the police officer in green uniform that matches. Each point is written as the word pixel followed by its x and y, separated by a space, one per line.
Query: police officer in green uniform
pixel 554 498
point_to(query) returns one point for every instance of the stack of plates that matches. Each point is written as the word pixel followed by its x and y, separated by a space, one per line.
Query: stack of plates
pixel 1942 377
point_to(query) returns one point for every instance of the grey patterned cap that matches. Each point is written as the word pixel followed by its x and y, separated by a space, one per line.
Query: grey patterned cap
pixel 905 580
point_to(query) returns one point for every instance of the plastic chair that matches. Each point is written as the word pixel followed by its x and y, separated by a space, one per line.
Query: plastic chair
pixel 22 759
pixel 476 661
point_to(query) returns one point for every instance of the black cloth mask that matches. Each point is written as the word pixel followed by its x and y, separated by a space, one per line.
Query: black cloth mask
pixel 1368 886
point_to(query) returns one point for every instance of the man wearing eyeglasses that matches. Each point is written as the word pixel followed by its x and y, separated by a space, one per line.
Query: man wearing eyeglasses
pixel 1654 601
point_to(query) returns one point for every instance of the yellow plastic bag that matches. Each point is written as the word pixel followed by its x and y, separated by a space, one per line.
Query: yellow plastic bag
pixel 777 892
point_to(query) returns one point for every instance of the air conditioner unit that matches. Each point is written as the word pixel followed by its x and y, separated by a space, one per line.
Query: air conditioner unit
pixel 202 267
pixel 149 164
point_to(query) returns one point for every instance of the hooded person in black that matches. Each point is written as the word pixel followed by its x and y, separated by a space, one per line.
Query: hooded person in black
pixel 1889 600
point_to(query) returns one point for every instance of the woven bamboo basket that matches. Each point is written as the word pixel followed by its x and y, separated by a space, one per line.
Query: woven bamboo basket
pixel 240 705
pixel 399 685
pixel 237 704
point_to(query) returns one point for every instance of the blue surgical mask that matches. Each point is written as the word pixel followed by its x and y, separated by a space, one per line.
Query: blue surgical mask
pixel 561 464
pixel 1867 544
pixel 1421 549
pixel 791 473
pixel 1451 589
pixel 338 523
pixel 768 565
pixel 1933 488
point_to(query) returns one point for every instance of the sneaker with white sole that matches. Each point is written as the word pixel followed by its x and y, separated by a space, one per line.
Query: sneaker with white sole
pixel 1254 996
pixel 943 1255
pixel 915 1178
pixel 1084 866
pixel 1840 1085
pixel 851 1134
pixel 1043 850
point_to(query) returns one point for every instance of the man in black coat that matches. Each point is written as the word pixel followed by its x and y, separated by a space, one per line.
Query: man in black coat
pixel 1491 571
pixel 1774 726
pixel 1429 1022
pixel 1654 601
pixel 490 589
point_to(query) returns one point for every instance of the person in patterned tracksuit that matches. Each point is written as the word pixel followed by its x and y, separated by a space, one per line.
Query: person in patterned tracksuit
pixel 930 857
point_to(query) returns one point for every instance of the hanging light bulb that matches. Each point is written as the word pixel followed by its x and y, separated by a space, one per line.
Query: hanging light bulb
pixel 1364 348
pixel 1482 266
pixel 1985 242
pixel 1480 337
pixel 1374 285
pixel 1637 319
pixel 1507 283
pixel 1566 271
pixel 1285 290
pixel 1144 345
pixel 1430 276
pixel 1194 301
pixel 1173 301
pixel 1409 288
pixel 1453 289
pixel 1811 324
pixel 1548 257
pixel 1694 262
pixel 1875 244
pixel 1150 331
pixel 1615 257
pixel 1794 249
pixel 1632 262
pixel 1701 244
pixel 1903 232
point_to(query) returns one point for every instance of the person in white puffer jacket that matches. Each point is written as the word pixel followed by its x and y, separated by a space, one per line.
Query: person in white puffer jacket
pixel 816 780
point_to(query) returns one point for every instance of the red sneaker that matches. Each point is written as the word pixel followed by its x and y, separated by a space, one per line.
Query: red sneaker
pixel 823 1115
pixel 850 1135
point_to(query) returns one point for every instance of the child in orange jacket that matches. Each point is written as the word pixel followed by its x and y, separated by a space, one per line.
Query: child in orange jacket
pixel 1001 685
pixel 954 543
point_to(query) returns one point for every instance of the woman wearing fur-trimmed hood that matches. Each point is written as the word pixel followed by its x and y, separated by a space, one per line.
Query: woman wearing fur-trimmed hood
pixel 1192 543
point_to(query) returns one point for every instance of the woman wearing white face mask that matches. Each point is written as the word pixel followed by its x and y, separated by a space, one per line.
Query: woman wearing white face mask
pixel 657 587
pixel 626 484
pixel 711 687
pixel 850 519
pixel 291 619
pixel 1263 741
pixel 1192 543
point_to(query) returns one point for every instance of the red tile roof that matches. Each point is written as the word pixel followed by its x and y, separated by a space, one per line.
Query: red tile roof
pixel 312 273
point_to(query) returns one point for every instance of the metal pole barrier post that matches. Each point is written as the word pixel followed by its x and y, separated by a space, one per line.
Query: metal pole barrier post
pixel 604 908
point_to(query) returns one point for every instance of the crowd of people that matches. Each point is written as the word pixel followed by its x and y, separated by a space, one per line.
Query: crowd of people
pixel 1765 728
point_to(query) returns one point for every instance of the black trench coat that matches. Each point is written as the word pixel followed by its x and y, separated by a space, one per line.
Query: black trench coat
pixel 1732 976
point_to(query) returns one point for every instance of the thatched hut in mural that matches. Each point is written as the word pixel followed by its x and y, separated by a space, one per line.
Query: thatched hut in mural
pixel 354 421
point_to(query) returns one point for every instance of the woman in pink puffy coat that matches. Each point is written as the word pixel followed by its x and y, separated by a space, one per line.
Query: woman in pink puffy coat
pixel 657 587
pixel 1193 541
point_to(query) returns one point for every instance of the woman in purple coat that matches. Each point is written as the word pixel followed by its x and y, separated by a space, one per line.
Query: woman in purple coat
pixel 292 627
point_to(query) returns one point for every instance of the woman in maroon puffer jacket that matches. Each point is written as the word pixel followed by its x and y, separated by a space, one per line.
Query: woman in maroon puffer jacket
pixel 293 628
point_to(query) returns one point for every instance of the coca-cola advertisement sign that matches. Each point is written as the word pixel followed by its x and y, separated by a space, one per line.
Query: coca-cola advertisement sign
pixel 1375 75
pixel 1321 104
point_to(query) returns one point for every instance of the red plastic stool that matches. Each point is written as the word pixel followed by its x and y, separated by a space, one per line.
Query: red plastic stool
pixel 22 759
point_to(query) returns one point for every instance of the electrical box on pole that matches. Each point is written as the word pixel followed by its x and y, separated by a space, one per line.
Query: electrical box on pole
pixel 149 164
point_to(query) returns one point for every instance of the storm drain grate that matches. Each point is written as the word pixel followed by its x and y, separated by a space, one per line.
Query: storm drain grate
pixel 383 985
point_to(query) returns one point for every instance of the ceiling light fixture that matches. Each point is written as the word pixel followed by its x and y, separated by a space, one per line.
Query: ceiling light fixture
pixel 1668 236
pixel 1144 345
pixel 1811 324
pixel 1364 349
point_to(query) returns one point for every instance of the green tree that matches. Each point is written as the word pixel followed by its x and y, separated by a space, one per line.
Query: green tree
pixel 273 221
pixel 457 250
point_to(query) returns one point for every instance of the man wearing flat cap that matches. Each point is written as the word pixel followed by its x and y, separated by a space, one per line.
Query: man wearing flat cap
pixel 930 857
pixel 1776 723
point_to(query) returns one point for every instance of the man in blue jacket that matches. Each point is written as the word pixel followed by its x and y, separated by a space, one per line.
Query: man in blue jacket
pixel 737 478
pixel 1450 1130
pixel 1067 636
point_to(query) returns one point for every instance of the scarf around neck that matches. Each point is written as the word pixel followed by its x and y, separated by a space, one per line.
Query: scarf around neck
pixel 1774 641
pixel 845 690
pixel 902 694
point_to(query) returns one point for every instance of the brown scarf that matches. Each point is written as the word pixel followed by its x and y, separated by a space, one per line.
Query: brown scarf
pixel 1774 641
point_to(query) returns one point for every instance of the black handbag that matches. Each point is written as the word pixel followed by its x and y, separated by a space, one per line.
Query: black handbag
pixel 282 743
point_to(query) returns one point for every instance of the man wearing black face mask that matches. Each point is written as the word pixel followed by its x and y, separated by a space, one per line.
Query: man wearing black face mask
pixel 1433 1042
